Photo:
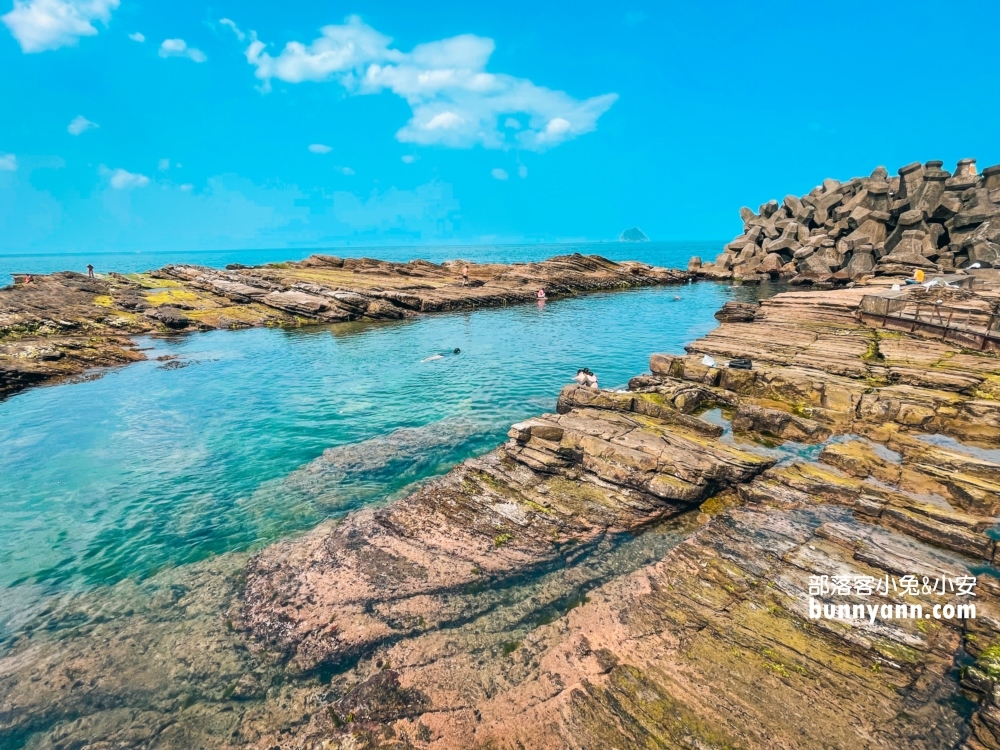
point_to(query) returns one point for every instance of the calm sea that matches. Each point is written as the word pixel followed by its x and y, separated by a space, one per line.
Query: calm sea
pixel 248 436
pixel 673 254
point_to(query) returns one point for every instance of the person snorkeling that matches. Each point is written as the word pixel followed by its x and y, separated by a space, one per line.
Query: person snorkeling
pixel 441 355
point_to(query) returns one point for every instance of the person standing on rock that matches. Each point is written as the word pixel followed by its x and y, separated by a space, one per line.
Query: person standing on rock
pixel 465 275
pixel 90 271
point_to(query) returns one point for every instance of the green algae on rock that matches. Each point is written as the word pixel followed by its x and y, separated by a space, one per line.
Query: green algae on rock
pixel 706 642
pixel 65 324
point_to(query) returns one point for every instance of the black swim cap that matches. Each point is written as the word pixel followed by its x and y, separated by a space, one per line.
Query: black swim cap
pixel 457 351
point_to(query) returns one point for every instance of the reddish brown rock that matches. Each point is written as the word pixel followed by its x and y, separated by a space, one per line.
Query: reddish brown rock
pixel 64 324
pixel 513 602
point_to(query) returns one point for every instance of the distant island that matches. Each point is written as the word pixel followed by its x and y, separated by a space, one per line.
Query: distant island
pixel 633 235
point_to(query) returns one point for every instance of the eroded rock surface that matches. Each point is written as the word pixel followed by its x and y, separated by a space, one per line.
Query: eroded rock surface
pixel 713 645
pixel 65 324
pixel 632 571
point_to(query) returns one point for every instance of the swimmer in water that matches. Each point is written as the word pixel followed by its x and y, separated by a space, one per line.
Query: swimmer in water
pixel 433 357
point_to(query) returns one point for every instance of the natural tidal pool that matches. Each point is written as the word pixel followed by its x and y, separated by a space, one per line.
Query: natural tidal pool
pixel 227 441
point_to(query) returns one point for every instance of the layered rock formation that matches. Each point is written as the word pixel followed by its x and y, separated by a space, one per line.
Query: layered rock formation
pixel 926 217
pixel 64 324
pixel 713 644
pixel 514 603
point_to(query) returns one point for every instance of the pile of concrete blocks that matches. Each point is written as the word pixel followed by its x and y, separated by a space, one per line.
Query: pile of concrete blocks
pixel 924 218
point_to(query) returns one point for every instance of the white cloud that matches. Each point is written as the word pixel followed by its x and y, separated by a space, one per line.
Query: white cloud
pixel 80 124
pixel 8 163
pixel 499 174
pixel 232 25
pixel 557 126
pixel 454 100
pixel 444 121
pixel 40 25
pixel 137 37
pixel 121 179
pixel 163 165
pixel 179 48
pixel 341 49
pixel 346 171
pixel 522 171
pixel 320 148
pixel 408 158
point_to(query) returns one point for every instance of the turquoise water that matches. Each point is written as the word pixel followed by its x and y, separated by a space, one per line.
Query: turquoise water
pixel 249 436
pixel 672 254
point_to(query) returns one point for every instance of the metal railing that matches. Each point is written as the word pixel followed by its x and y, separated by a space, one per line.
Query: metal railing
pixel 969 326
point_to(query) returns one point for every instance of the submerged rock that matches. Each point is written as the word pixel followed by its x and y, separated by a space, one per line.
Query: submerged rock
pixel 530 597
pixel 84 320
pixel 714 644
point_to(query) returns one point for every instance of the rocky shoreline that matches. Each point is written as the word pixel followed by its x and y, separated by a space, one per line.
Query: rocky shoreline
pixel 849 449
pixel 65 324
pixel 712 646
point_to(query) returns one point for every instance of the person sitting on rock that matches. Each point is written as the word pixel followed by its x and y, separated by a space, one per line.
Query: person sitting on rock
pixel 586 378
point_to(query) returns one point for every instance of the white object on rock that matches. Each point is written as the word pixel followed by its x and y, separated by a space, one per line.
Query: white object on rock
pixel 708 361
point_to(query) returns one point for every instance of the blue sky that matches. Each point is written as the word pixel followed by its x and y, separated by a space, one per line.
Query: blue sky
pixel 140 126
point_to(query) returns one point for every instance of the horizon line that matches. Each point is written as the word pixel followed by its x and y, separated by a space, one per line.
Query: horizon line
pixel 355 247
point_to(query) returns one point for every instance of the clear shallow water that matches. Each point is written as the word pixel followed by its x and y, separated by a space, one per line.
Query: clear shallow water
pixel 249 436
pixel 670 254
